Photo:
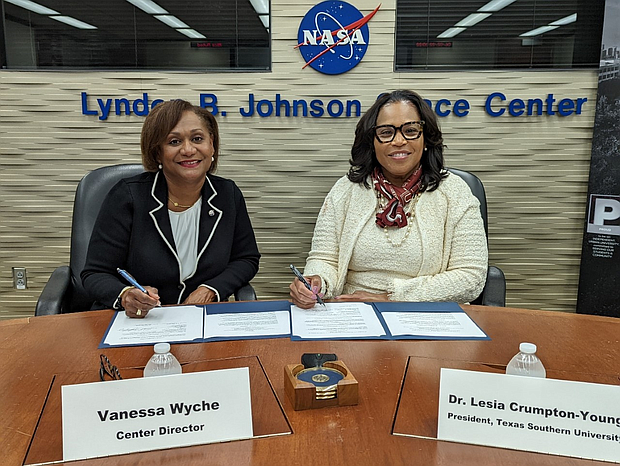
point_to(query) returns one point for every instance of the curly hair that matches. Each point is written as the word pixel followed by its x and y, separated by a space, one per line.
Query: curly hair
pixel 363 158
pixel 161 120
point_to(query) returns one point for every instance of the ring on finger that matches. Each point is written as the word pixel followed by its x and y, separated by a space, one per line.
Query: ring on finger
pixel 139 312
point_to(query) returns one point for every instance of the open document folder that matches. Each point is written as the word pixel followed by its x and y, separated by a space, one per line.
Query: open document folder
pixel 275 319
pixel 384 320
pixel 194 324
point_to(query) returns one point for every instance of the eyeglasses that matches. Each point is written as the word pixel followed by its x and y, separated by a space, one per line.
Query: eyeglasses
pixel 410 131
pixel 107 368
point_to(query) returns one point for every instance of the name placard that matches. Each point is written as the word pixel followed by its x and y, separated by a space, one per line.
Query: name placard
pixel 524 413
pixel 126 416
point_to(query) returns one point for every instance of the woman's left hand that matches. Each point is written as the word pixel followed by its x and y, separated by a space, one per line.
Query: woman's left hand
pixel 201 295
pixel 363 296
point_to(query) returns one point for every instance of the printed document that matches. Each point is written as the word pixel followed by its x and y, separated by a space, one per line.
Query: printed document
pixel 432 324
pixel 246 324
pixel 336 321
pixel 161 324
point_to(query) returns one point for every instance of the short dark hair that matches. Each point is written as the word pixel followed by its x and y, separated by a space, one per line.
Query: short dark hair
pixel 161 120
pixel 363 159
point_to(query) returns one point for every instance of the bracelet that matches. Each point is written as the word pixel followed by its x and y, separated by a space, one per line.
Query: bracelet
pixel 118 304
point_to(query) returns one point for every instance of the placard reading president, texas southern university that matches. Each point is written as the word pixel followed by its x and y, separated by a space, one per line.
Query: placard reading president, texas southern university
pixel 533 414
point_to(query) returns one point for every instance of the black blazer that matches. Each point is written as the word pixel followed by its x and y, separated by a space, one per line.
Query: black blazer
pixel 133 232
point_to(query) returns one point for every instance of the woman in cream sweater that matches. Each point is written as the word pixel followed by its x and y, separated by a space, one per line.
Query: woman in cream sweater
pixel 398 226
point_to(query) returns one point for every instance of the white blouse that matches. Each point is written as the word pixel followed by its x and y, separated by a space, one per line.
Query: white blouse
pixel 185 230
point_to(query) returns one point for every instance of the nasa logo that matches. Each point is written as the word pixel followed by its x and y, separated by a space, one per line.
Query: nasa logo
pixel 333 37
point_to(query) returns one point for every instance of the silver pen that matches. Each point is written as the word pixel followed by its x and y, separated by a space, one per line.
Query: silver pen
pixel 306 284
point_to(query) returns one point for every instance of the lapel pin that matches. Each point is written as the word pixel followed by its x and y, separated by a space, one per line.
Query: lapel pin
pixel 211 213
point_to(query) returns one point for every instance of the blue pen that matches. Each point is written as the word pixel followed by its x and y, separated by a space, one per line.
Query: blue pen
pixel 305 282
pixel 127 276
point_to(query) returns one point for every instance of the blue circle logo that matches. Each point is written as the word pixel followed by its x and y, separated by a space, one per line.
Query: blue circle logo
pixel 333 37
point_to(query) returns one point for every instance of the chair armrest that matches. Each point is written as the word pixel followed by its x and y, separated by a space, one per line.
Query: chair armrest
pixel 53 295
pixel 494 293
pixel 245 293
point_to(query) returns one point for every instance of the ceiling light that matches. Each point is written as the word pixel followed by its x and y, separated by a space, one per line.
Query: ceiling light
pixel 450 33
pixel 32 6
pixel 262 9
pixel 472 19
pixel 496 5
pixel 76 23
pixel 149 7
pixel 564 21
pixel 261 6
pixel 538 31
pixel 191 33
pixel 172 21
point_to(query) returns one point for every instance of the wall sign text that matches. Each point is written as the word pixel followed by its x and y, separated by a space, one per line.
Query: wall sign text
pixel 496 104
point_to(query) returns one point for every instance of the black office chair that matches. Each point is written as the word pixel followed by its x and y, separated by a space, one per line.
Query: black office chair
pixel 63 291
pixel 494 292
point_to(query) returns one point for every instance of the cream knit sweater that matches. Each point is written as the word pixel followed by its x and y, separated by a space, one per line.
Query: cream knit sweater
pixel 454 247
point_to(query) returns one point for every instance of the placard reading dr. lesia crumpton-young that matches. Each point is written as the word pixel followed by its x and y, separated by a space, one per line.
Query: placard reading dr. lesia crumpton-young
pixel 532 414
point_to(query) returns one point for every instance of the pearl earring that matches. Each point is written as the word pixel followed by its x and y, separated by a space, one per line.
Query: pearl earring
pixel 212 159
pixel 160 166
pixel 425 149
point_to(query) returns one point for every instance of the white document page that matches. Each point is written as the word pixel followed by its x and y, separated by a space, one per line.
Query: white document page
pixel 244 324
pixel 161 324
pixel 432 324
pixel 336 320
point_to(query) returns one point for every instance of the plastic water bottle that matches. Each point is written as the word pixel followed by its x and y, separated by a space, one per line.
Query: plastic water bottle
pixel 525 362
pixel 162 362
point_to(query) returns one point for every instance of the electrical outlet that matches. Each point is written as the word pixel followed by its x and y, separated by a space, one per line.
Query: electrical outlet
pixel 20 281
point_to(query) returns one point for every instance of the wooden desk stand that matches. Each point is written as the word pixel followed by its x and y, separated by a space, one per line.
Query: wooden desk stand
pixel 303 394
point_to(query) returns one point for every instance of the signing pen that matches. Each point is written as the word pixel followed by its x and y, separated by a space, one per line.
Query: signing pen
pixel 305 282
pixel 127 276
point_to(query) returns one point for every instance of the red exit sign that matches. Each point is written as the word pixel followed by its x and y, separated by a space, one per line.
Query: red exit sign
pixel 206 45
pixel 434 45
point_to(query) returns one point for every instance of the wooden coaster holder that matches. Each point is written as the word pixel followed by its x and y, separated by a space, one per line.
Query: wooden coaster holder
pixel 303 394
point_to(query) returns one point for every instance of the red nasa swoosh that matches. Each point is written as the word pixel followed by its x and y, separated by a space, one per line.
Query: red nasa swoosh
pixel 355 26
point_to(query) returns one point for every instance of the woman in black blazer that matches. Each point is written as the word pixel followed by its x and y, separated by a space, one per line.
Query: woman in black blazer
pixel 182 232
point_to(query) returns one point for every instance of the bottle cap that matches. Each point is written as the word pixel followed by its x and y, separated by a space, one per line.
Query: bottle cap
pixel 165 347
pixel 528 348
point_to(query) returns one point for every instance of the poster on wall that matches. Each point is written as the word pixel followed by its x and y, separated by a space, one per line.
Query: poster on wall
pixel 600 256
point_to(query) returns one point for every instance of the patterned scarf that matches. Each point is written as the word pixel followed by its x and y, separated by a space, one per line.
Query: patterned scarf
pixel 394 214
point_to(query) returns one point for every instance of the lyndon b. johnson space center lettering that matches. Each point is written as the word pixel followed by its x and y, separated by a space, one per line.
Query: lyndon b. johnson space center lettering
pixel 496 104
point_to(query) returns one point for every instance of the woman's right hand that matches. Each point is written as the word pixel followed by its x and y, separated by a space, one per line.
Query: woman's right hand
pixel 301 296
pixel 134 300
